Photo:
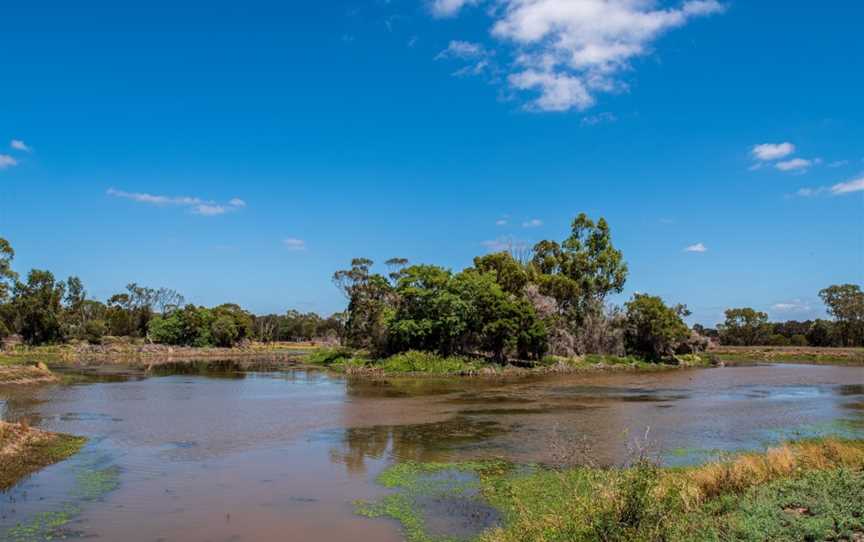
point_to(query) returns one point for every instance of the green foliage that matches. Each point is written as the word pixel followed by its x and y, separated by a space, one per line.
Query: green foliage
pixel 425 362
pixel 845 302
pixel 508 273
pixel 222 326
pixel 586 266
pixel 37 304
pixel 745 327
pixel 654 330
pixel 7 275
pixel 94 330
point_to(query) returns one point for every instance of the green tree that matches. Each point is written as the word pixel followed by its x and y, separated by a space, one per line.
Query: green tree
pixel 845 302
pixel 508 273
pixel 586 266
pixel 7 275
pixel 653 329
pixel 370 304
pixel 224 331
pixel 38 306
pixel 744 327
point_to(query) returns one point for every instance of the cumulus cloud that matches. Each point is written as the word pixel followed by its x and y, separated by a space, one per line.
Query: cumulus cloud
pixel 533 223
pixel 570 51
pixel 294 244
pixel 7 161
pixel 449 8
pixel 195 205
pixel 567 52
pixel 772 151
pixel 19 145
pixel 698 247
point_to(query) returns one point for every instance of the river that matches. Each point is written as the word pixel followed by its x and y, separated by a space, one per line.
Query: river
pixel 283 455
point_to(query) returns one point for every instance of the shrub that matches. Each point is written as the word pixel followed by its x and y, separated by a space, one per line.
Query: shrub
pixel 798 340
pixel 654 330
pixel 94 330
pixel 224 331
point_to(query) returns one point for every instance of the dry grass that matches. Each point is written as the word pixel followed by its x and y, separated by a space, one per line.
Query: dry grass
pixel 748 470
pixel 26 374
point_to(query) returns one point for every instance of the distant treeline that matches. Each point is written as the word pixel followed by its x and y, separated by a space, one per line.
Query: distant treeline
pixel 43 310
pixel 749 327
pixel 524 305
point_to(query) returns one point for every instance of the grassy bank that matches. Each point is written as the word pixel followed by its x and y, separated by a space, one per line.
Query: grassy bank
pixel 789 354
pixel 12 374
pixel 24 450
pixel 123 349
pixel 812 490
pixel 416 363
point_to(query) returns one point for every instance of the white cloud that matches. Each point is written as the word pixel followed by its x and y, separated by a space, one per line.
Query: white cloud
pixel 855 185
pixel 796 164
pixel 207 209
pixel 533 223
pixel 698 247
pixel 292 243
pixel 839 163
pixel 449 8
pixel 567 52
pixel 501 222
pixel 839 189
pixel 795 305
pixel 196 206
pixel 772 151
pixel 462 49
pixel 19 145
pixel 7 161
pixel 570 51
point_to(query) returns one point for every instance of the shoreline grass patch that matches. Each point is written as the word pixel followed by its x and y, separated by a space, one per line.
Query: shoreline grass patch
pixel 24 450
pixel 801 491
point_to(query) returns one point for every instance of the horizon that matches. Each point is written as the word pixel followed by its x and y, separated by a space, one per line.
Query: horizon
pixel 245 155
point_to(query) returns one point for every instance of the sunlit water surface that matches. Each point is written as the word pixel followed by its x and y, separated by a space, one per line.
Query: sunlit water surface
pixel 284 455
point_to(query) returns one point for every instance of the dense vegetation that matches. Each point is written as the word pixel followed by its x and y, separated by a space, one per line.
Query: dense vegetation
pixel 748 327
pixel 551 303
pixel 43 310
pixel 810 490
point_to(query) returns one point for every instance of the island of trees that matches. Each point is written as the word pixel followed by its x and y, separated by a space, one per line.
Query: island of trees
pixel 553 301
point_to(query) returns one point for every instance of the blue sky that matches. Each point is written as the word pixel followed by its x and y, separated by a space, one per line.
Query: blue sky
pixel 243 151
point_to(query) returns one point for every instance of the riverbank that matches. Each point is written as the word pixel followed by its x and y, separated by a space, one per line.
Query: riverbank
pixel 26 374
pixel 809 490
pixel 416 363
pixel 24 450
pixel 789 354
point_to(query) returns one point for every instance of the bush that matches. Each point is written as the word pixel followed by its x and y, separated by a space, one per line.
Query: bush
pixel 778 340
pixel 654 330
pixel 798 340
pixel 166 330
pixel 94 330
pixel 224 331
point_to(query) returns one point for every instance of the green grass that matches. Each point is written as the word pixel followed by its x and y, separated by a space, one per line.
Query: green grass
pixel 810 490
pixel 33 455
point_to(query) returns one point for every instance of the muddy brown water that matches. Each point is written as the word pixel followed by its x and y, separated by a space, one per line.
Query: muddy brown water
pixel 283 455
